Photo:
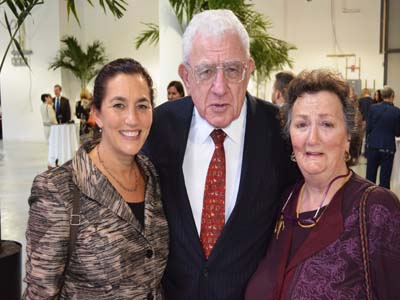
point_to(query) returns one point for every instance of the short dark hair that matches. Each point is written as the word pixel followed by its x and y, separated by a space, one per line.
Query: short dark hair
pixel 314 81
pixel 179 87
pixel 126 66
pixel 282 80
pixel 58 86
pixel 44 96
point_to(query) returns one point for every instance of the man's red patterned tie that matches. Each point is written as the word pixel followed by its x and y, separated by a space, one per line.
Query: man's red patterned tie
pixel 213 214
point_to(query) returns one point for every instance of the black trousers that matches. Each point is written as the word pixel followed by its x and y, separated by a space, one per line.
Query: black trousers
pixel 380 158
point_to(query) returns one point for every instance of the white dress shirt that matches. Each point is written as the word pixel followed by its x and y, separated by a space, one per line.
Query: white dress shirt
pixel 199 150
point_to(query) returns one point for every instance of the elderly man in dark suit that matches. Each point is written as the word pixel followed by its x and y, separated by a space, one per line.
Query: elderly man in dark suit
pixel 222 164
pixel 61 106
pixel 383 125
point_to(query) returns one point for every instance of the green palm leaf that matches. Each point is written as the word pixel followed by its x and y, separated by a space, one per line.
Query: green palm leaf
pixel 150 35
pixel 83 64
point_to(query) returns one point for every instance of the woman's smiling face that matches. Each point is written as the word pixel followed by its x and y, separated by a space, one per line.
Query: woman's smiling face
pixel 126 114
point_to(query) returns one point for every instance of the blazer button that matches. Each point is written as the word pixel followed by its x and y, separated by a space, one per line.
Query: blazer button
pixel 149 253
pixel 205 272
pixel 150 296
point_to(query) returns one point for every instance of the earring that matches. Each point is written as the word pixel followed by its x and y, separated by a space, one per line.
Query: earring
pixel 100 129
pixel 292 157
pixel 347 156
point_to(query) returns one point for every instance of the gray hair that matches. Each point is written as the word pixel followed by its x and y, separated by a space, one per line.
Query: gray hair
pixel 311 82
pixel 387 92
pixel 214 23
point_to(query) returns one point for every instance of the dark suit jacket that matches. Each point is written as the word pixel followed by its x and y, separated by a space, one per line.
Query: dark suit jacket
pixel 246 234
pixel 64 113
pixel 364 105
pixel 383 126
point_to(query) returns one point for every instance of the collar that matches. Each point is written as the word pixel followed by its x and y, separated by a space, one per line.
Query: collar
pixel 201 129
pixel 387 103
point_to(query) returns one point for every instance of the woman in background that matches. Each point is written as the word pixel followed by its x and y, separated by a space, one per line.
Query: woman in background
pixel 82 109
pixel 378 97
pixel 175 90
pixel 48 114
pixel 317 251
pixel 121 245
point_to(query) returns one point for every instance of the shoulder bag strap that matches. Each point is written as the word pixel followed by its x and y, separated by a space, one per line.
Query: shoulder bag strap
pixel 74 222
pixel 74 194
pixel 364 241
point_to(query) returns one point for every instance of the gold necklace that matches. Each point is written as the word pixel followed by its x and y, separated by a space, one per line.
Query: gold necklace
pixel 134 189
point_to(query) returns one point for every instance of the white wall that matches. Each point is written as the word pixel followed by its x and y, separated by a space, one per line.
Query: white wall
pixel 20 87
pixel 118 35
pixel 307 24
pixel 170 48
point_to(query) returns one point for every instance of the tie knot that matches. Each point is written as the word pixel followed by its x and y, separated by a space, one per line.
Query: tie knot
pixel 218 136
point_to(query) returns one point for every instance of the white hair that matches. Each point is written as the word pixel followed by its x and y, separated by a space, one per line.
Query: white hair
pixel 214 23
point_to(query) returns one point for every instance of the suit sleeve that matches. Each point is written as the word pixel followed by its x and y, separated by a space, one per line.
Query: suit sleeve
pixel 47 239
pixel 398 125
pixel 68 111
pixel 370 122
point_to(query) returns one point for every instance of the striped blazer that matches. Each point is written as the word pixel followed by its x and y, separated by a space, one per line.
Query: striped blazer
pixel 114 256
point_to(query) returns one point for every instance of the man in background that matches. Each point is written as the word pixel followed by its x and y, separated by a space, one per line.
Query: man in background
pixel 364 103
pixel 383 125
pixel 61 106
pixel 222 164
pixel 279 89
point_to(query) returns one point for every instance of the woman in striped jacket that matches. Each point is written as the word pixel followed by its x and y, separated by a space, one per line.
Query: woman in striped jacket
pixel 121 245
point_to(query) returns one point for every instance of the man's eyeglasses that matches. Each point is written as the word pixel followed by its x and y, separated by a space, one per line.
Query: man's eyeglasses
pixel 234 72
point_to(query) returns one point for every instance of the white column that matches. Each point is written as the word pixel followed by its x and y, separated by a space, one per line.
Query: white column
pixel 170 45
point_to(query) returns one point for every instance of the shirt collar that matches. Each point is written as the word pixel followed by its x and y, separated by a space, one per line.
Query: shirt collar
pixel 201 129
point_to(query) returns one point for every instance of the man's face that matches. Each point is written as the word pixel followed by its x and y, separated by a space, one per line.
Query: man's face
pixel 57 91
pixel 218 100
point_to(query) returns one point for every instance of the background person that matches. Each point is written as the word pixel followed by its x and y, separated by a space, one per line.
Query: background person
pixel 383 125
pixel 61 106
pixel 364 103
pixel 48 114
pixel 218 150
pixel 279 88
pixel 175 90
pixel 316 252
pixel 377 96
pixel 82 111
pixel 121 246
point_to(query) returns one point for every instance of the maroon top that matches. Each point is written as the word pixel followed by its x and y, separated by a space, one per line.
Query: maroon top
pixel 327 262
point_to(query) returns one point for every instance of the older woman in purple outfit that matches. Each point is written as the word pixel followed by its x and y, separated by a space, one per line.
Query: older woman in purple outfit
pixel 317 251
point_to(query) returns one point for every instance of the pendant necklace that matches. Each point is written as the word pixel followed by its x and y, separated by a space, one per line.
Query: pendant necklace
pixel 130 190
pixel 308 222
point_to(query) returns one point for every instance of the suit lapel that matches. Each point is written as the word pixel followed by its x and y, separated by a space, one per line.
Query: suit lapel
pixel 185 114
pixel 253 153
pixel 102 192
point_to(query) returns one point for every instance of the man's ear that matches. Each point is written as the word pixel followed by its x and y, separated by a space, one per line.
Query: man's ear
pixel 184 74
pixel 251 66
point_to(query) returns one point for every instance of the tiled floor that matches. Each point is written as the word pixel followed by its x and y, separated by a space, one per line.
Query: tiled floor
pixel 19 163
